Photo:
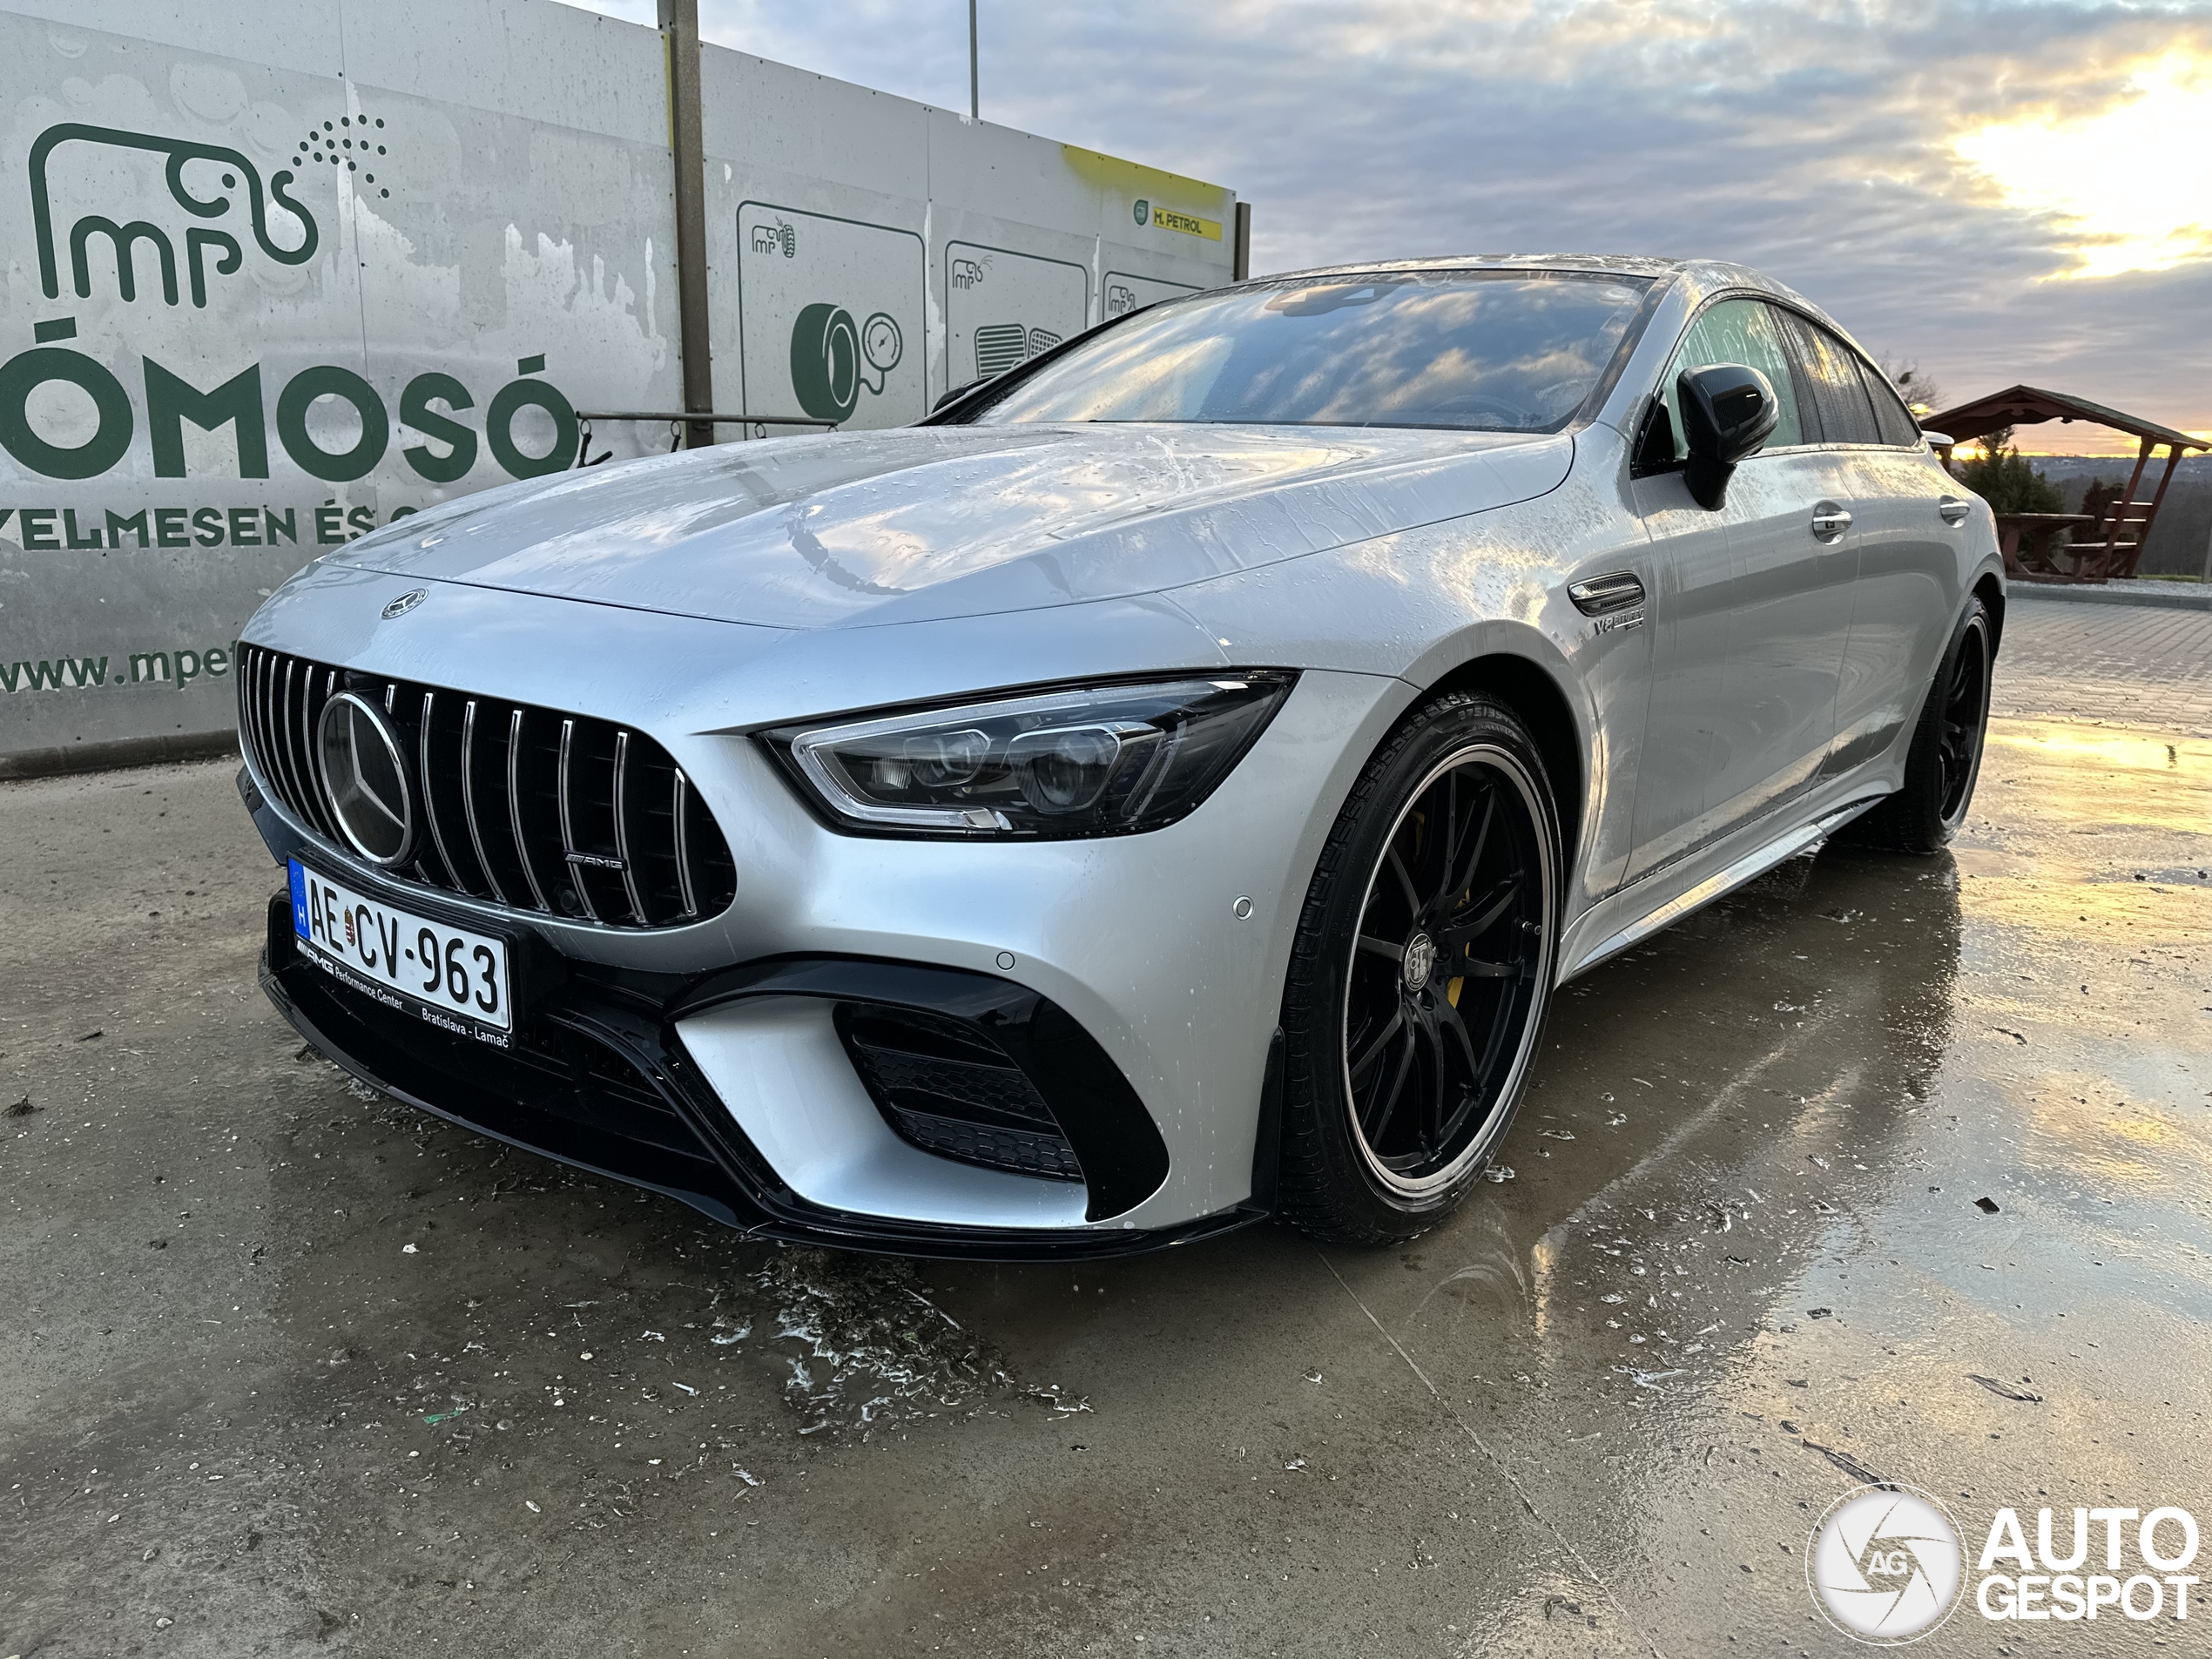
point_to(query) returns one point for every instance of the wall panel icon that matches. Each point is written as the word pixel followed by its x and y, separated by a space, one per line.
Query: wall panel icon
pixel 830 314
pixel 1001 308
pixel 1124 292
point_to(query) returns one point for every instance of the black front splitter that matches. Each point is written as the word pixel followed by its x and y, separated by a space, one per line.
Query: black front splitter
pixel 651 1121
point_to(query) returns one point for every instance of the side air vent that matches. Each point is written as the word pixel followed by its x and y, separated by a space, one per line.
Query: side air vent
pixel 522 806
pixel 945 1086
pixel 1603 593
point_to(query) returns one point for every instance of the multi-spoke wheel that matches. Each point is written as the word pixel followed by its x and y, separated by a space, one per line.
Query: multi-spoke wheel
pixel 1965 713
pixel 1946 756
pixel 1423 969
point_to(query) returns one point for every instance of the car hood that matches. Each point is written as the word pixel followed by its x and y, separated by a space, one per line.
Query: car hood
pixel 922 522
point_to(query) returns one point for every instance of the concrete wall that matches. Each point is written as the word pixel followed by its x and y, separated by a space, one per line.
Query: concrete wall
pixel 379 254
pixel 959 239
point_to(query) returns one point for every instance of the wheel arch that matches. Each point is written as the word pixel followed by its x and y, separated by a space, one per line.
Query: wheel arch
pixel 1534 693
pixel 1989 588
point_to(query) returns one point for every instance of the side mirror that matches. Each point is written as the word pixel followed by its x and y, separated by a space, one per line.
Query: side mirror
pixel 1727 411
pixel 955 395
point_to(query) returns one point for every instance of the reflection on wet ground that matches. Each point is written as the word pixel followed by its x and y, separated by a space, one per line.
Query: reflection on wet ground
pixel 1878 1166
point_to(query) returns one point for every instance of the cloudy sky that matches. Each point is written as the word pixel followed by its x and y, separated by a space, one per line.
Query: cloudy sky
pixel 1997 190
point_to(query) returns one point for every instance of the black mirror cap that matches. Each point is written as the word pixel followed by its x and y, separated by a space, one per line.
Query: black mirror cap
pixel 945 399
pixel 1727 411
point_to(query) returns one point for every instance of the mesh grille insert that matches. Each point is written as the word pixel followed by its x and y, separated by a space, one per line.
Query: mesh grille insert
pixel 946 1087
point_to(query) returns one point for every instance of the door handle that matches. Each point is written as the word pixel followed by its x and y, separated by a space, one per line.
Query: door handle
pixel 1829 521
pixel 1953 510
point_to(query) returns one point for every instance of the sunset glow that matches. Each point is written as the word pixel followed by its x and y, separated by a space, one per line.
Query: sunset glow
pixel 1994 191
pixel 2129 182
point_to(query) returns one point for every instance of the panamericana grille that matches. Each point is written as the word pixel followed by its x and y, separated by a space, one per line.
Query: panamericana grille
pixel 522 807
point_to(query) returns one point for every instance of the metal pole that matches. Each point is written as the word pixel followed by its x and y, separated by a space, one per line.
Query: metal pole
pixel 1241 254
pixel 974 81
pixel 679 25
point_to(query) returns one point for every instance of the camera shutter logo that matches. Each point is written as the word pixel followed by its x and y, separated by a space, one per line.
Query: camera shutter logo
pixel 365 778
pixel 1885 1566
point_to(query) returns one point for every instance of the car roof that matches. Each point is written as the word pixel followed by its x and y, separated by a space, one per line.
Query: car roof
pixel 1700 276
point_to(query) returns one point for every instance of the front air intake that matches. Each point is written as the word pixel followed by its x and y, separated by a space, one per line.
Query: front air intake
pixel 947 1086
pixel 528 807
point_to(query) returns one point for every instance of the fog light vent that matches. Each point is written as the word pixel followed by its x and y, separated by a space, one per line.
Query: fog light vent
pixel 945 1086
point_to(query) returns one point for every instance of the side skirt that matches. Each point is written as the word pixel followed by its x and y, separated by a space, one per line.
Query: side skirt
pixel 1727 879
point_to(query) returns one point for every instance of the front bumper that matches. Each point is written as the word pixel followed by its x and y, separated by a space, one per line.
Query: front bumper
pixel 601 1075
pixel 1166 950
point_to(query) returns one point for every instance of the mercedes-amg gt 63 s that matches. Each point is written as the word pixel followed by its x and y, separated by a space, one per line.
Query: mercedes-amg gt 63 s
pixel 1160 789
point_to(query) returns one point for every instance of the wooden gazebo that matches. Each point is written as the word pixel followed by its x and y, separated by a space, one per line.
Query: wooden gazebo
pixel 2091 547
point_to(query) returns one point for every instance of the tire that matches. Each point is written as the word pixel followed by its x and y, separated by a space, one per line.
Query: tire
pixel 825 362
pixel 1400 1077
pixel 1946 758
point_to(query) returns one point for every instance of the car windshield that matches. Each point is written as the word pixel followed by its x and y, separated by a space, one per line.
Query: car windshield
pixel 1504 351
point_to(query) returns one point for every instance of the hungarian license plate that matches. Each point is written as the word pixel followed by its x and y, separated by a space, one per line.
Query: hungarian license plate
pixel 449 976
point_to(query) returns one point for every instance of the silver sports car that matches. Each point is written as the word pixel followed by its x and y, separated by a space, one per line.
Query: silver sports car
pixel 1162 789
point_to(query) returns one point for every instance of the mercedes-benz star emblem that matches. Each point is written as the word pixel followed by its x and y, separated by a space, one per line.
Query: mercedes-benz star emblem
pixel 405 603
pixel 365 778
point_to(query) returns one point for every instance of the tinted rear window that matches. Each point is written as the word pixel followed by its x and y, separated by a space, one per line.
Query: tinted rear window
pixel 1838 390
pixel 1896 421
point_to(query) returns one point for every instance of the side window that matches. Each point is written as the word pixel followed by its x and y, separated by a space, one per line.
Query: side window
pixel 1896 421
pixel 1838 390
pixel 1738 331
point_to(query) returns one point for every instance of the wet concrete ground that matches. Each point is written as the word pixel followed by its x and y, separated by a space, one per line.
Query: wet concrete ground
pixel 289 1370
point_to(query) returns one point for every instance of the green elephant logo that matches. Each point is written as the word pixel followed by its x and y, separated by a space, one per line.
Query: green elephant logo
pixel 123 240
pixel 831 357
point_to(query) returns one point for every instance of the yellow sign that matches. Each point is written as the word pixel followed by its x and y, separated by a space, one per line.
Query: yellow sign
pixel 1189 224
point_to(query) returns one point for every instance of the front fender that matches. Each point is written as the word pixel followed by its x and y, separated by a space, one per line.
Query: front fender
pixel 1430 606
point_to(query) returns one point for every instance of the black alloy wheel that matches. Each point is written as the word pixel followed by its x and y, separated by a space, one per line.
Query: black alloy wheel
pixel 1944 760
pixel 1423 970
pixel 1443 967
pixel 1965 717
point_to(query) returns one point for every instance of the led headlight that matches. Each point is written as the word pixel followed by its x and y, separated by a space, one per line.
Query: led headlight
pixel 1097 760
